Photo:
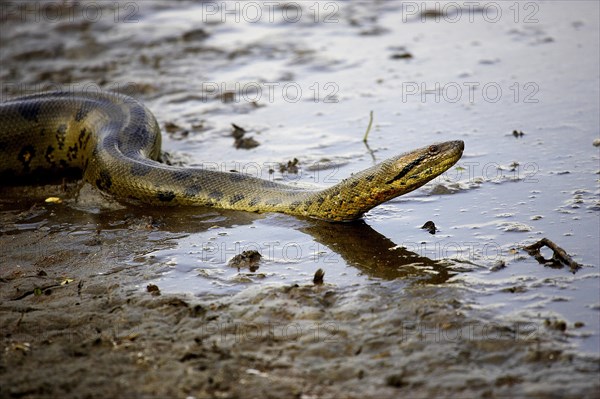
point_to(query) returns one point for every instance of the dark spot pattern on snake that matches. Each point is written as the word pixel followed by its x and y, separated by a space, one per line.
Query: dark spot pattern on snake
pixel 81 113
pixel 182 175
pixel 104 181
pixel 254 201
pixel 236 198
pixel 72 152
pixel 61 135
pixel 25 156
pixel 216 195
pixel 84 138
pixel 236 176
pixel 166 196
pixel 193 190
pixel 49 156
pixel 29 110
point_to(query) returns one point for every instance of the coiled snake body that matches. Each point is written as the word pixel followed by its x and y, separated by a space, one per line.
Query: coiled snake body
pixel 114 141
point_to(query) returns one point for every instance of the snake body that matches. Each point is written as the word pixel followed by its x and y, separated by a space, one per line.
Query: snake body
pixel 114 142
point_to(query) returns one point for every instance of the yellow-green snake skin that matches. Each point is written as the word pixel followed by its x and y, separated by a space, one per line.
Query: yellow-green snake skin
pixel 114 141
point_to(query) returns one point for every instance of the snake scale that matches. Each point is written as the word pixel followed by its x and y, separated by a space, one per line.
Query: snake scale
pixel 114 142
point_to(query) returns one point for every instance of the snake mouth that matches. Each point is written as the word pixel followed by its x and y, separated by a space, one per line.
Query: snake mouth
pixel 459 148
pixel 455 151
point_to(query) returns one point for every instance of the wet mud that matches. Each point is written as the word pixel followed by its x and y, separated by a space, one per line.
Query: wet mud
pixel 100 298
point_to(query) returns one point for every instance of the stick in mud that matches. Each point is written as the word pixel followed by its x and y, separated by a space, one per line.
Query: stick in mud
pixel 559 255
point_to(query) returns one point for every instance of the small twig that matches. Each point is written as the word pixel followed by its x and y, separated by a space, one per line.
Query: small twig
pixel 368 127
pixel 319 277
pixel 365 138
pixel 559 255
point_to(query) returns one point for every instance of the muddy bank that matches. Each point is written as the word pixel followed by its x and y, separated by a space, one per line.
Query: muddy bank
pixel 98 337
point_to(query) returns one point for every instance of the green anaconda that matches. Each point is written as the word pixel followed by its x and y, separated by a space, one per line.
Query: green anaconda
pixel 114 141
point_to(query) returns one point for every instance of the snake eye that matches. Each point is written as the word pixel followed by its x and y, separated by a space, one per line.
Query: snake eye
pixel 433 149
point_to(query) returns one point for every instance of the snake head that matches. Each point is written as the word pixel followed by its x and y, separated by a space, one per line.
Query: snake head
pixel 411 170
pixel 395 176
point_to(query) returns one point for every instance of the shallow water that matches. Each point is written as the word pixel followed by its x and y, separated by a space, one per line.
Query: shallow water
pixel 306 92
pixel 511 190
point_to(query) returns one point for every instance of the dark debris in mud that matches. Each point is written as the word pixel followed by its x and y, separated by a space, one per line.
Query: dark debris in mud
pixel 290 167
pixel 241 140
pixel 248 259
pixel 559 256
pixel 319 277
pixel 430 227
